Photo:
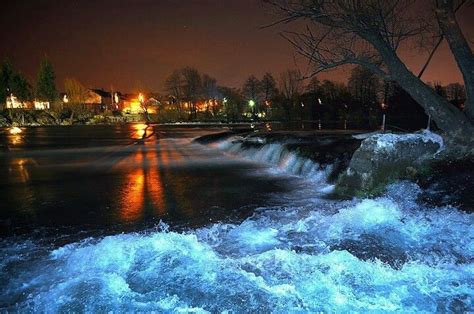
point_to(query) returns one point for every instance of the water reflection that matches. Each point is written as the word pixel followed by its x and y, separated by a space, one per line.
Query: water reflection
pixel 143 188
pixel 18 169
pixel 105 176
pixel 15 139
pixel 142 131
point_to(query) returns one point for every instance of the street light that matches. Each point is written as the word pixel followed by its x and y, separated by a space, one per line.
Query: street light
pixel 252 105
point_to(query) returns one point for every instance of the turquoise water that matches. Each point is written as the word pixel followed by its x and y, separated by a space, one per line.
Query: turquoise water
pixel 296 252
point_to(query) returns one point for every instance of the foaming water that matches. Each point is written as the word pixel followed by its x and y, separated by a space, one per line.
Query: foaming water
pixel 298 252
pixel 383 254
pixel 278 156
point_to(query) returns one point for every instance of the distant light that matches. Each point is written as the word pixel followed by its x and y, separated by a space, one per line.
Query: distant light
pixel 65 99
pixel 320 102
pixel 224 100
pixel 15 130
pixel 141 98
pixel 302 105
pixel 251 103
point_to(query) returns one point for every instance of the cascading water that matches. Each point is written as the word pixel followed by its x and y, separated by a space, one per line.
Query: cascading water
pixel 277 155
pixel 308 254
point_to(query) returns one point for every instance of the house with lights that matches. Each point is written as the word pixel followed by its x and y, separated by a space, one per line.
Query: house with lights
pixel 12 102
pixel 139 103
pixel 97 100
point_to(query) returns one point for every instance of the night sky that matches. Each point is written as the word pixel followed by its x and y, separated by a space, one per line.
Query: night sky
pixel 135 44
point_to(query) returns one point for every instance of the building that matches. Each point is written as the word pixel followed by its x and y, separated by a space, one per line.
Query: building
pixel 139 103
pixel 12 102
pixel 97 100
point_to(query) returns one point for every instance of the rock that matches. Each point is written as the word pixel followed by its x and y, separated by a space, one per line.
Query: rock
pixel 221 136
pixel 383 158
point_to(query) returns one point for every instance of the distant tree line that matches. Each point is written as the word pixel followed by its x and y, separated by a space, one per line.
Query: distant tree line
pixel 359 103
pixel 192 95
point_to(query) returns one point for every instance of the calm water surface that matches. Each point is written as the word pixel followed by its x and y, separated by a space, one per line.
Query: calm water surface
pixel 98 219
pixel 107 177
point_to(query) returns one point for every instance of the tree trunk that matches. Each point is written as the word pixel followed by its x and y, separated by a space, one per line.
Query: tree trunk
pixel 457 126
pixel 460 48
pixel 447 117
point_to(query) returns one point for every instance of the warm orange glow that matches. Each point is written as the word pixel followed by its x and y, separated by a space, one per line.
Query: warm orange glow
pixel 140 130
pixel 144 186
pixel 133 106
pixel 15 130
pixel 18 166
pixel 133 200
pixel 141 98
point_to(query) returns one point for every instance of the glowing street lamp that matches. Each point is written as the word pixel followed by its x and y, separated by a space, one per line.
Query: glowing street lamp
pixel 252 106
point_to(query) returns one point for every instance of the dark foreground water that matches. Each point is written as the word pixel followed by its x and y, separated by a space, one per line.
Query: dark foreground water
pixel 93 219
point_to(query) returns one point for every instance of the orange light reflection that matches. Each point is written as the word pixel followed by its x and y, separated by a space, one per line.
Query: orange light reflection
pixel 144 187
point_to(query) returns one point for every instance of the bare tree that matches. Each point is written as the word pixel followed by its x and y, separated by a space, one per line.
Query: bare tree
pixel 291 84
pixel 268 87
pixel 210 92
pixel 251 88
pixel 192 88
pixel 369 33
pixel 456 94
pixel 174 85
pixel 314 86
pixel 76 95
pixel 252 92
pixel 364 86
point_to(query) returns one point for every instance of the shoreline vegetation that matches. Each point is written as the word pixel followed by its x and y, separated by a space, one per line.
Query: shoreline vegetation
pixel 31 118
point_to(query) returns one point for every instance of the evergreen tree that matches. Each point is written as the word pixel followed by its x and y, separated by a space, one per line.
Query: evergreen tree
pixel 20 87
pixel 45 86
pixel 6 74
pixel 13 82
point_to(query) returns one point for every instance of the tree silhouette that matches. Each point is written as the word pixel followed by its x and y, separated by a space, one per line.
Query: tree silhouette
pixel 45 86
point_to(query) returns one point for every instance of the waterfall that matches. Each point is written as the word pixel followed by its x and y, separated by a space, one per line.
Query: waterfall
pixel 277 155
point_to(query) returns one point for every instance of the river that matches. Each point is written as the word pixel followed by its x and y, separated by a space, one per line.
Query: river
pixel 129 218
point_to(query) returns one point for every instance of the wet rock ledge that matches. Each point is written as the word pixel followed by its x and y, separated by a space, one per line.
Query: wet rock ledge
pixel 324 148
pixel 385 158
